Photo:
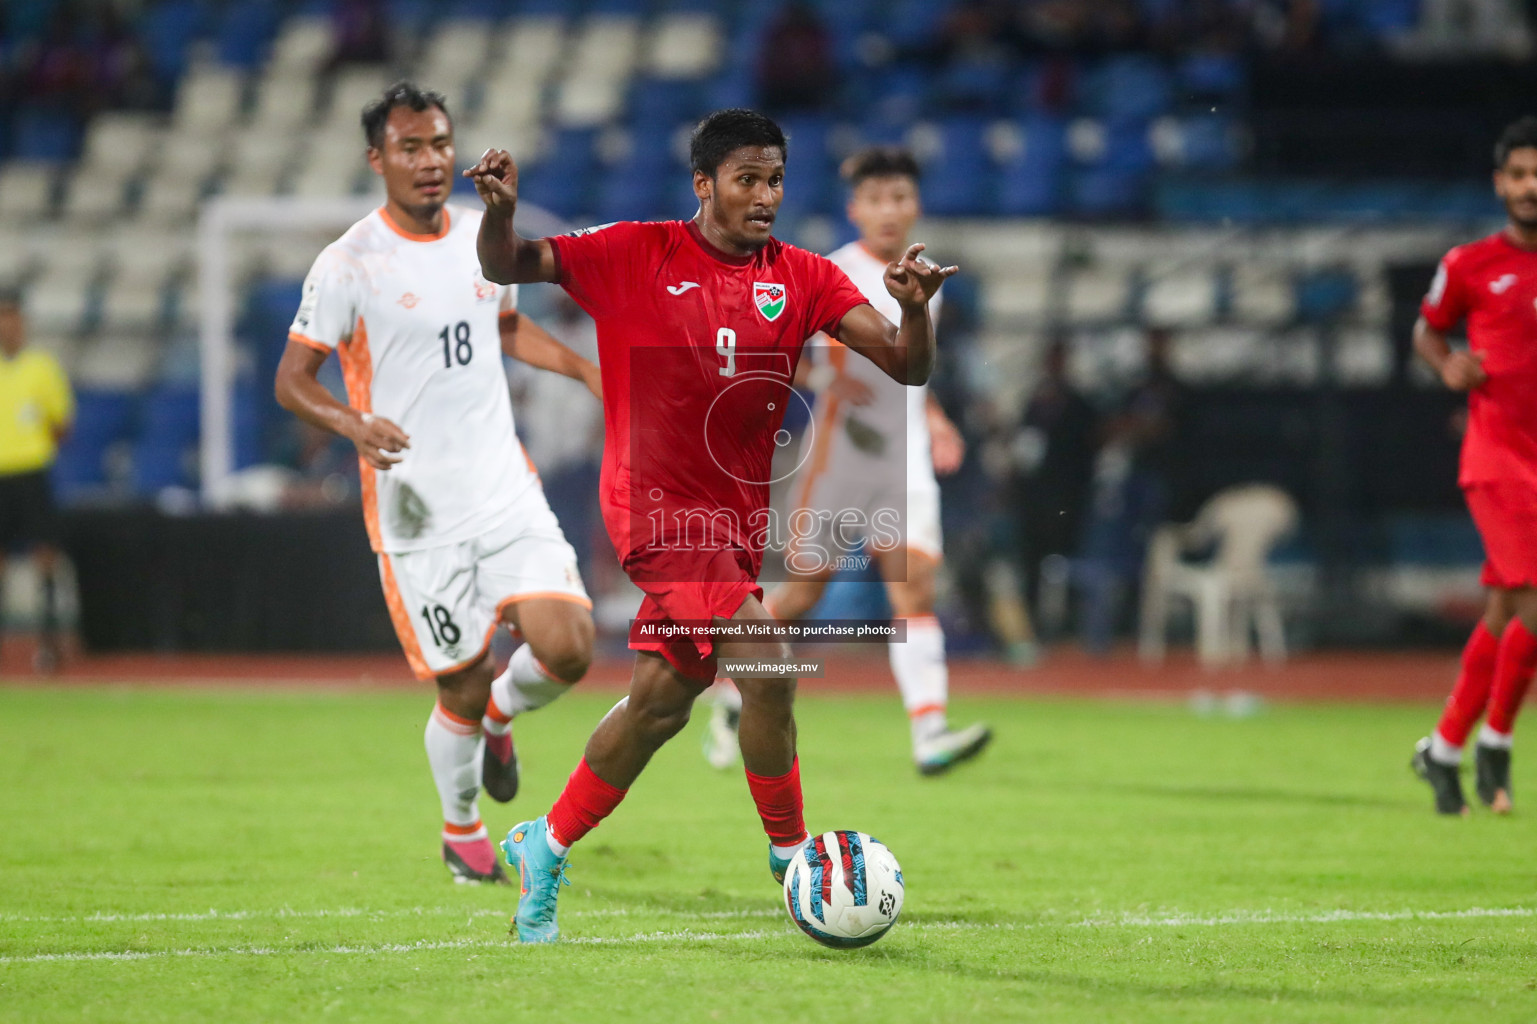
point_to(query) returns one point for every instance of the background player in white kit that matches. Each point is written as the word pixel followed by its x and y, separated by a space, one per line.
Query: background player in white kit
pixel 874 450
pixel 453 506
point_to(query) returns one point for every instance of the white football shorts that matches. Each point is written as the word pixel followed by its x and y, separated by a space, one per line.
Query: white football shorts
pixel 446 602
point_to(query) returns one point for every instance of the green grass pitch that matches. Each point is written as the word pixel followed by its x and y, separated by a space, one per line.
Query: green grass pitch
pixel 201 855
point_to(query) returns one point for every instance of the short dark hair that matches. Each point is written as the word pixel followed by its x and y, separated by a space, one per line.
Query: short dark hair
pixel 880 162
pixel 722 132
pixel 1520 134
pixel 403 93
pixel 10 298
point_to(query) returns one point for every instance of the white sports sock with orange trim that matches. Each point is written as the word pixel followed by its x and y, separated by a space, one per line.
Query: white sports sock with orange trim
pixel 498 718
pixel 453 752
pixel 525 686
pixel 922 676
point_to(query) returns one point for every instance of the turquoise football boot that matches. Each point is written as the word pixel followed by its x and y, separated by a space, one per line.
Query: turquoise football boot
pixel 779 865
pixel 541 874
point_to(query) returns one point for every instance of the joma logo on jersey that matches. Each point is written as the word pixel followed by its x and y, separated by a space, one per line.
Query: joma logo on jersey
pixel 484 290
pixel 769 298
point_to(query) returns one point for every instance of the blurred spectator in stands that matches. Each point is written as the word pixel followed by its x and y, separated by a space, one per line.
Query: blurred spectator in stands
pixel 795 66
pixel 1079 27
pixel 122 74
pixel 56 69
pixel 36 410
pixel 1133 479
pixel 361 30
pixel 1288 27
pixel 1052 457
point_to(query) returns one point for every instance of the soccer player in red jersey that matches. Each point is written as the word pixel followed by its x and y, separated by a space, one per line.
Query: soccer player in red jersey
pixel 1492 284
pixel 700 326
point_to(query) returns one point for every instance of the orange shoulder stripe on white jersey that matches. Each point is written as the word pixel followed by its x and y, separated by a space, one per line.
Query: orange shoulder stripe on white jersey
pixel 311 342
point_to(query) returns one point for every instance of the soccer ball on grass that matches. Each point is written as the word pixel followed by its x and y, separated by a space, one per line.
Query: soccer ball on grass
pixel 844 889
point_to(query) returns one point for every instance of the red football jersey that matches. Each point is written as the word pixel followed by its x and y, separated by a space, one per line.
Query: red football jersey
pixel 1493 283
pixel 697 349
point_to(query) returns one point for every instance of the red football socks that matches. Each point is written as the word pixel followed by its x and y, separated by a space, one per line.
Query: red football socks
pixel 780 805
pixel 1513 669
pixel 584 802
pixel 1470 695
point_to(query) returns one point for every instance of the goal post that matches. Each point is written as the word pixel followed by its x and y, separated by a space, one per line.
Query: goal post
pixel 221 220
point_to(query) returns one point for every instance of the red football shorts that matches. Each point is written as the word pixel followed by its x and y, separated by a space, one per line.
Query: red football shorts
pixel 689 587
pixel 1506 517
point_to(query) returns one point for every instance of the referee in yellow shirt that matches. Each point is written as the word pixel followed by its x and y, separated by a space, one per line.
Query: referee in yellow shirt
pixel 36 410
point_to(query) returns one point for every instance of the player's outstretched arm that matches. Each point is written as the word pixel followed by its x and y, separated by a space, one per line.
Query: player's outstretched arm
pixel 299 390
pixel 527 342
pixel 1458 370
pixel 904 351
pixel 506 258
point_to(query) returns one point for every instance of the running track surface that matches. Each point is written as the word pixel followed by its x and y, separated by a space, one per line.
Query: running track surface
pixel 1063 671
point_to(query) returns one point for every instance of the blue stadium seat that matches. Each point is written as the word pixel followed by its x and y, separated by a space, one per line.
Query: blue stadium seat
pixel 1119 184
pixel 253 409
pixel 1208 142
pixel 562 181
pixel 811 179
pixel 245 32
pixel 1030 183
pixel 102 418
pixel 1127 147
pixel 732 87
pixel 468 10
pixel 1212 76
pixel 626 193
pixel 43 133
pixel 411 15
pixel 635 7
pixel 913 22
pixel 660 105
pixel 169 415
pixel 955 182
pixel 1128 88
pixel 1325 294
pixel 157 466
pixel 1109 192
pixel 982 85
pixel 1389 17
pixel 167 29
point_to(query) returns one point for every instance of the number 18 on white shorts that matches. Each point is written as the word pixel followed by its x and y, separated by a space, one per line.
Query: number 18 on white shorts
pixel 445 602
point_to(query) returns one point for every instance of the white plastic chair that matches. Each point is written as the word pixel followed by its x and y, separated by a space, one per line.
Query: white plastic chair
pixel 1233 594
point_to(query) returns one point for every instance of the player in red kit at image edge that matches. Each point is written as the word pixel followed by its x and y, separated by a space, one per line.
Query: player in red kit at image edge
pixel 1492 284
pixel 700 326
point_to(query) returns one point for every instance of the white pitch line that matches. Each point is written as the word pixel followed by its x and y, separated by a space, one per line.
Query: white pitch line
pixel 1241 917
pixel 353 912
pixel 1171 920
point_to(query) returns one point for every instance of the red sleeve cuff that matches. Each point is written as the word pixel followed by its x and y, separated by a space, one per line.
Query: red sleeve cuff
pixel 560 270
pixel 1435 318
pixel 831 328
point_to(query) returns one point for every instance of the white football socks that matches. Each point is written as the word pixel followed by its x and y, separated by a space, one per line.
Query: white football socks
pixel 1443 752
pixel 922 676
pixel 524 686
pixel 454 754
pixel 1487 737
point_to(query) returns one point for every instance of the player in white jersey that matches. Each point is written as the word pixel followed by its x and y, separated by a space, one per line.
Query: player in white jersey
pixel 454 509
pixel 867 478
